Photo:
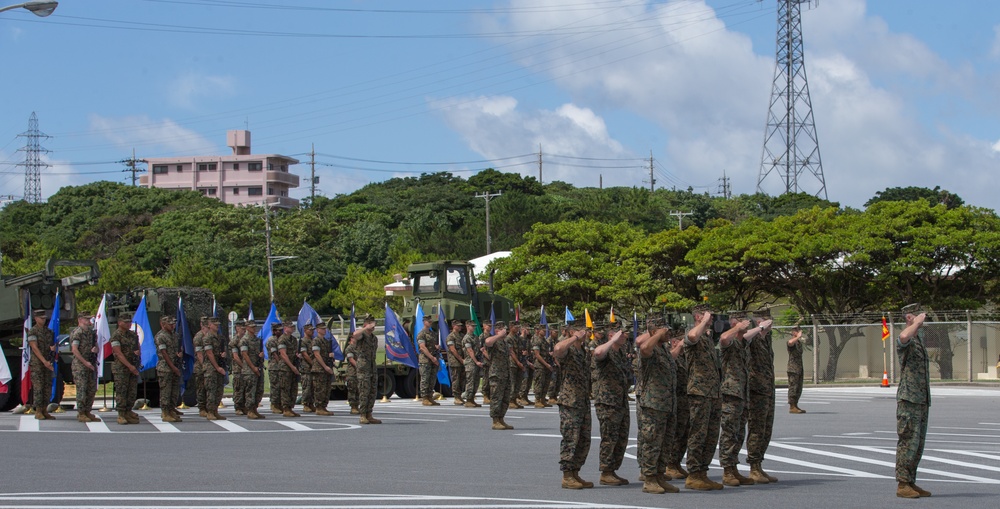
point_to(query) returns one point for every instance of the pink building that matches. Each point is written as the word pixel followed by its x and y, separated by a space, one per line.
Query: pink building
pixel 240 178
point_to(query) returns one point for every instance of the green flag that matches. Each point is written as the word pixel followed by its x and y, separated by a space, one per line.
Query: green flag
pixel 479 325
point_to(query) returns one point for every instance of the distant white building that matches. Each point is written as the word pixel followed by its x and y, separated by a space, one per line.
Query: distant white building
pixel 238 178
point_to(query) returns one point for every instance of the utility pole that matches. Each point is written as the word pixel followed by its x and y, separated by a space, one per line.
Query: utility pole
pixel 539 163
pixel 488 196
pixel 600 181
pixel 267 250
pixel 312 179
pixel 724 187
pixel 680 218
pixel 652 180
pixel 33 161
pixel 131 167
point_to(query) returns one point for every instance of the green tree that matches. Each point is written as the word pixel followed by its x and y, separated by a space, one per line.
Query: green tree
pixel 912 193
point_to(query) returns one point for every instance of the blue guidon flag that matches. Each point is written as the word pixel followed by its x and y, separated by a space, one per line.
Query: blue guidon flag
pixel 398 347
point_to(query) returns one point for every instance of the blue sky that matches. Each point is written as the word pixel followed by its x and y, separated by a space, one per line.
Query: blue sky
pixel 904 92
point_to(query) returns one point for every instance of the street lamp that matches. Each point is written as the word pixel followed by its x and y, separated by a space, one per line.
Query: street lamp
pixel 40 9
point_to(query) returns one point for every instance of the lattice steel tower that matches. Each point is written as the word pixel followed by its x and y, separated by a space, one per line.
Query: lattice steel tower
pixel 791 146
pixel 32 160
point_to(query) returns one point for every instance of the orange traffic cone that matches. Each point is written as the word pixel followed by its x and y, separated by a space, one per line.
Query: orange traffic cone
pixel 885 379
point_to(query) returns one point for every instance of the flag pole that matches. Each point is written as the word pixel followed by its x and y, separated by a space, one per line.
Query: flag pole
pixel 104 399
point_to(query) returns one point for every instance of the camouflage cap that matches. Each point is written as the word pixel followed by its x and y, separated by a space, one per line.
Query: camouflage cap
pixel 204 320
pixel 250 323
pixel 288 323
pixel 764 312
pixel 430 317
pixel 167 319
pixel 84 314
pixel 368 318
pixel 213 319
pixel 308 326
pixel 320 325
pixel 501 323
pixel 737 315
pixel 240 322
pixel 125 315
pixel 456 321
pixel 700 308
pixel 40 312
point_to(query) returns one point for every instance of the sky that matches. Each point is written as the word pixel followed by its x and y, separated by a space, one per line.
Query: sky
pixel 903 91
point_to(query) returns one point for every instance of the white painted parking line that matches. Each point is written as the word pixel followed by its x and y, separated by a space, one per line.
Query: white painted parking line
pixel 98 427
pixel 974 454
pixel 28 423
pixel 926 457
pixel 230 426
pixel 294 425
pixel 164 427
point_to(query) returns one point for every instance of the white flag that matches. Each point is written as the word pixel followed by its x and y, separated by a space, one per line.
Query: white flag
pixel 5 375
pixel 103 335
pixel 26 354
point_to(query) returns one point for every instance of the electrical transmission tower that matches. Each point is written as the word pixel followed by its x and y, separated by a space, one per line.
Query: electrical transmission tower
pixel 791 146
pixel 32 160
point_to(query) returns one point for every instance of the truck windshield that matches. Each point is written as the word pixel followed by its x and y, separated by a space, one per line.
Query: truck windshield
pixel 457 280
pixel 426 283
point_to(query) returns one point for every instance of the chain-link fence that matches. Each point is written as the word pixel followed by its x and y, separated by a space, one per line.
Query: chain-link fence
pixel 855 352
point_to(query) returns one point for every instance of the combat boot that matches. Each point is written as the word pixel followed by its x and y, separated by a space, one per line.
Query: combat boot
pixel 82 417
pixel 539 404
pixel 132 418
pixel 513 406
pixel 354 410
pixel 323 411
pixel 757 474
pixel 921 491
pixel 669 488
pixel 459 401
pixel 471 404
pixel 796 410
pixel 364 419
pixel 608 478
pixel 121 419
pixel 486 400
pixel 92 417
pixel 289 413
pixel 372 420
pixel 132 414
pixel 203 413
pixel 306 409
pixel 650 485
pixel 47 415
pixel 497 425
pixel 621 479
pixel 548 403
pixel 576 474
pixel 570 481
pixel 217 416
pixel 427 402
pixel 729 476
pixel 675 471
pixel 274 410
pixel 744 480
pixel 698 481
pixel 508 426
pixel 434 402
pixel 166 416
pixel 211 416
pixel 905 490
pixel 239 411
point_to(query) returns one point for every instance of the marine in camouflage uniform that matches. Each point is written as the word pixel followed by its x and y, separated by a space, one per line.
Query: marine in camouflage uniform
pixel 795 374
pixel 428 351
pixel 527 359
pixel 287 371
pixel 472 363
pixel 168 372
pixel 760 406
pixel 215 373
pixel 515 366
pixel 351 357
pixel 542 354
pixel 683 420
pixel 199 367
pixel 367 345
pixel 271 346
pixel 735 354
pixel 657 418
pixel 610 389
pixel 704 383
pixel 237 369
pixel 84 343
pixel 305 362
pixel 42 351
pixel 913 403
pixel 498 349
pixel 556 383
pixel 485 369
pixel 456 360
pixel 322 370
pixel 574 408
pixel 253 370
pixel 125 345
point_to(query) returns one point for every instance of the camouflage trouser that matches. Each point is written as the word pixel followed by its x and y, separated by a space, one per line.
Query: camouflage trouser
pixel 457 374
pixel 614 423
pixel 41 386
pixel 320 389
pixel 499 394
pixel 911 426
pixel 239 401
pixel 199 387
pixel 656 439
pixel 471 381
pixel 731 435
pixel 214 384
pixel 352 391
pixel 248 386
pixel 703 434
pixel 543 377
pixel 515 382
pixel 760 423
pixel 428 377
pixel 286 387
pixel 574 425
pixel 486 377
pixel 556 383
pixel 367 387
pixel 86 388
pixel 169 390
pixel 522 392
pixel 794 388
pixel 305 378
pixel 681 429
pixel 126 385
pixel 272 379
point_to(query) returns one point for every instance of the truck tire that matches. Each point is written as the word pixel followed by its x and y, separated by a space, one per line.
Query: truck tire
pixel 386 383
pixel 406 385
pixel 190 395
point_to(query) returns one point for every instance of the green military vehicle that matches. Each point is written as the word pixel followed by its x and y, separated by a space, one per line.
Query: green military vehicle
pixel 41 287
pixel 448 285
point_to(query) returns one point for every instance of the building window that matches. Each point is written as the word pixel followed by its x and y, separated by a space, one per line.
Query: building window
pixel 284 193
pixel 236 166
pixel 270 166
pixel 209 191
pixel 255 166
pixel 208 167
pixel 159 169
pixel 236 191
pixel 180 168
pixel 255 191
pixel 270 191
pixel 284 168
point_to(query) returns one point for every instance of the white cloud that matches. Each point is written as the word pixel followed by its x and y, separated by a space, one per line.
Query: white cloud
pixel 59 173
pixel 188 88
pixel 153 137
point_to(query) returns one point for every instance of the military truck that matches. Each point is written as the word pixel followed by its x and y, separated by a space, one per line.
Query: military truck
pixel 41 287
pixel 448 285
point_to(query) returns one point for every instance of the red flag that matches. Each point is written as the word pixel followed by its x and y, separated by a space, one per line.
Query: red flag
pixel 26 355
pixel 885 330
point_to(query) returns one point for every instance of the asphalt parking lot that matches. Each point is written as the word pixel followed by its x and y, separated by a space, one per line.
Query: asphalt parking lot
pixel 838 455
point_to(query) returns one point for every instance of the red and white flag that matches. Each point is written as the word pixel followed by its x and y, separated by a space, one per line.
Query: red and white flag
pixel 26 355
pixel 103 331
pixel 5 376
